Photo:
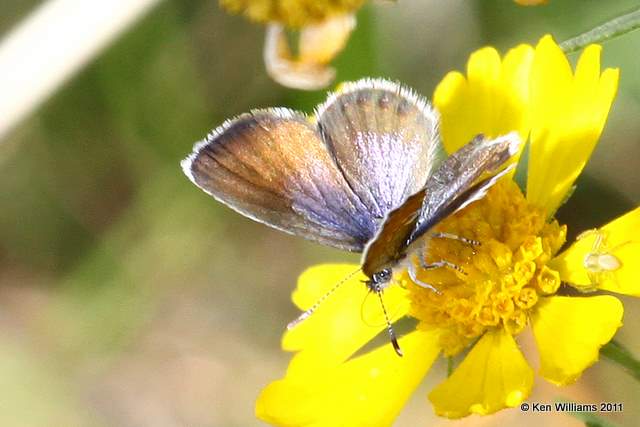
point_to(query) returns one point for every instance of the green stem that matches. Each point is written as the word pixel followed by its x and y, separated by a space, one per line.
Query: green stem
pixel 616 353
pixel 614 28
pixel 450 366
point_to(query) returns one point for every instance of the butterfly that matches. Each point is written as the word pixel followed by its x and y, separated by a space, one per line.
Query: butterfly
pixel 366 173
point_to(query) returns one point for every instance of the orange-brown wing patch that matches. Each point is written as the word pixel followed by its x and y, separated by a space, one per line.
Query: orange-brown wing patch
pixel 272 166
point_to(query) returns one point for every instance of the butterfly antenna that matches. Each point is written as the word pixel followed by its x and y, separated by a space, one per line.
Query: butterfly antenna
pixel 392 334
pixel 306 314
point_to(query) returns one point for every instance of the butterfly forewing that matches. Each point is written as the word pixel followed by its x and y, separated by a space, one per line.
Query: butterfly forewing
pixel 465 177
pixel 462 178
pixel 272 166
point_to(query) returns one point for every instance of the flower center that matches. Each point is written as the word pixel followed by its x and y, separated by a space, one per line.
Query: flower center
pixel 501 279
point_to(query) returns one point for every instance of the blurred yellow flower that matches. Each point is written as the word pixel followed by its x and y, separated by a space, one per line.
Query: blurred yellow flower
pixel 512 279
pixel 318 44
pixel 291 13
pixel 325 27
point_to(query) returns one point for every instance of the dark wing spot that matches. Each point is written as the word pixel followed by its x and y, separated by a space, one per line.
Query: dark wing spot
pixel 363 98
pixel 404 107
pixel 384 100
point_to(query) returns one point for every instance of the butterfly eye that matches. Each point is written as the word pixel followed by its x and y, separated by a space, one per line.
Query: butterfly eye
pixel 381 276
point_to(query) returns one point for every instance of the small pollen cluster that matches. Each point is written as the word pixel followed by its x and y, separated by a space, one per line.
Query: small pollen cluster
pixel 501 279
pixel 291 13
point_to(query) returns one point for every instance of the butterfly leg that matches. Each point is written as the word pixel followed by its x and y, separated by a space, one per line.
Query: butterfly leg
pixel 451 236
pixel 440 264
pixel 414 277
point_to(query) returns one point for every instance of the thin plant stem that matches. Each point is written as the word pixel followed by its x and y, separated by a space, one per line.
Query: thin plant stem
pixel 71 33
pixel 589 419
pixel 616 353
pixel 611 29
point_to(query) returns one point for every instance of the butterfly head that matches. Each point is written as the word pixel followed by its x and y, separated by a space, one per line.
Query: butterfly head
pixel 379 280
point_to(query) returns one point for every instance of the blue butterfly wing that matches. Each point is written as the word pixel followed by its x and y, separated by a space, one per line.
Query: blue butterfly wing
pixel 384 138
pixel 372 146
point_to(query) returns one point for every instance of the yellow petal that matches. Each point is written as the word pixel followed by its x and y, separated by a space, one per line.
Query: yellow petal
pixel 320 43
pixel 494 375
pixel 569 332
pixel 286 70
pixel 567 114
pixel 492 100
pixel 448 98
pixel 337 329
pixel 369 390
pixel 607 258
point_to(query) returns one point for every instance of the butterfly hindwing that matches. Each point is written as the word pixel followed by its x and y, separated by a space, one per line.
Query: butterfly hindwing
pixel 384 139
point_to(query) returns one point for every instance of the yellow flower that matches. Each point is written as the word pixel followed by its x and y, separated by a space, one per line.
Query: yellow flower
pixel 318 44
pixel 514 279
pixel 291 13
pixel 325 27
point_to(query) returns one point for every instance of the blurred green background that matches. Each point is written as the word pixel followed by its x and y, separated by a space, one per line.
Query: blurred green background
pixel 130 298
